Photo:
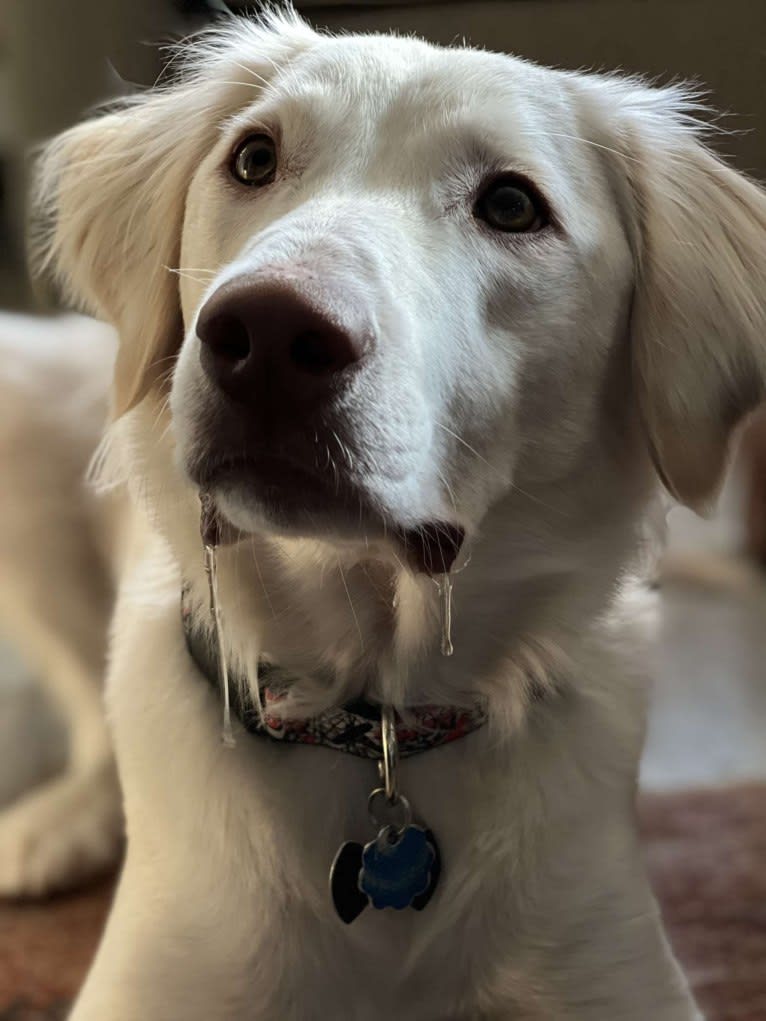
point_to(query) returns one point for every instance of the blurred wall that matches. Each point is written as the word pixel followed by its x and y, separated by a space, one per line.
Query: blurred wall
pixel 57 56
pixel 56 65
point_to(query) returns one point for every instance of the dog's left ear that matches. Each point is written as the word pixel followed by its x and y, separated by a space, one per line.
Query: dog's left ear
pixel 698 329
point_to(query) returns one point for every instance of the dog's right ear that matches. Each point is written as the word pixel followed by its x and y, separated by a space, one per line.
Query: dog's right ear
pixel 112 192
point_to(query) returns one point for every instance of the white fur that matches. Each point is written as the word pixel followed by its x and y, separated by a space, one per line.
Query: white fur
pixel 523 387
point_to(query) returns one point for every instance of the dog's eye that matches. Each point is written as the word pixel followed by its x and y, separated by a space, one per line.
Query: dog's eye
pixel 255 160
pixel 510 204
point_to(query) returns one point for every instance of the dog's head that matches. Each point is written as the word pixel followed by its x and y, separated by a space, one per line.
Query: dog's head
pixel 399 295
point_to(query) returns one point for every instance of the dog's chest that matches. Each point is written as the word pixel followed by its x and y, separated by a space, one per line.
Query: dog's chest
pixel 238 845
pixel 415 965
pixel 443 966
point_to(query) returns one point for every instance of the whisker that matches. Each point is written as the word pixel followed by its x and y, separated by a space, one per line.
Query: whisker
pixel 248 70
pixel 191 269
pixel 502 475
pixel 448 487
pixel 258 571
pixel 473 450
pixel 587 141
pixel 243 85
pixel 274 64
pixel 187 275
pixel 351 604
pixel 344 450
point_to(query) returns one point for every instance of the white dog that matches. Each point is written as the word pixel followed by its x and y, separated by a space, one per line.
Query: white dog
pixel 396 309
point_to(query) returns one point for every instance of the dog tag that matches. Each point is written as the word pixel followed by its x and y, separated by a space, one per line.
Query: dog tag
pixel 346 874
pixel 401 866
pixel 397 867
pixel 421 901
pixel 347 898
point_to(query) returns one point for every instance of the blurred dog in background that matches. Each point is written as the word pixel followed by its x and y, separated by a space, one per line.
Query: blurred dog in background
pixel 59 550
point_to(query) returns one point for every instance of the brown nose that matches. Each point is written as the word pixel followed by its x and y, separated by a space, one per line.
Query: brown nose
pixel 277 335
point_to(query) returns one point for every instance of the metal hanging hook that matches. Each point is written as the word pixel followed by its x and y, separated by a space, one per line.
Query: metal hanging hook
pixel 387 767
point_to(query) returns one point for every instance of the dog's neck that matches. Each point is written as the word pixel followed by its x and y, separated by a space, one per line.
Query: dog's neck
pixel 350 629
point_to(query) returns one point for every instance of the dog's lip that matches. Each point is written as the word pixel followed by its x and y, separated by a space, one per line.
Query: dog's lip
pixel 281 478
pixel 430 547
pixel 243 465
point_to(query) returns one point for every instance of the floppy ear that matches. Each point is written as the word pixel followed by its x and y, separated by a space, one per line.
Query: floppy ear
pixel 112 192
pixel 699 313
pixel 117 185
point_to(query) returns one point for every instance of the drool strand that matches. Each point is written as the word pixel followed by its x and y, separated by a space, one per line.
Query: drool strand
pixel 211 570
pixel 445 604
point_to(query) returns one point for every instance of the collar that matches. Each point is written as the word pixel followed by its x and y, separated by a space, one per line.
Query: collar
pixel 355 728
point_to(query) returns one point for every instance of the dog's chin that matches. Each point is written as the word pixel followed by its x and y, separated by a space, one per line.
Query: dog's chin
pixel 273 496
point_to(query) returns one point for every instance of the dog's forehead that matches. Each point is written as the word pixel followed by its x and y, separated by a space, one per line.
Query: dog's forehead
pixel 380 75
pixel 430 99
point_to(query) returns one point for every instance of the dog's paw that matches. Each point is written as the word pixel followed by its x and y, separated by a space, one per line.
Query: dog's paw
pixel 61 834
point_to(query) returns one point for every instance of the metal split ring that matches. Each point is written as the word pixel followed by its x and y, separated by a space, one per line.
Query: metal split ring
pixel 388 764
pixel 384 813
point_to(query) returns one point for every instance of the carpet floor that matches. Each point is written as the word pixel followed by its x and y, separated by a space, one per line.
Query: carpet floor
pixel 707 857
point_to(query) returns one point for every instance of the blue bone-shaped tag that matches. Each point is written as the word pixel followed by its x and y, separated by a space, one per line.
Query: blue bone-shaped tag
pixel 396 867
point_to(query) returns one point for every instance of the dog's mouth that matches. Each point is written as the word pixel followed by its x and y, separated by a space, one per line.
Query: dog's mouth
pixel 278 494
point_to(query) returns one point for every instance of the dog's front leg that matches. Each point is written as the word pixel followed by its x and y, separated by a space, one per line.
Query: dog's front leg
pixel 165 955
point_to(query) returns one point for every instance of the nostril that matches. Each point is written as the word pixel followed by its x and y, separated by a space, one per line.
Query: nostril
pixel 309 351
pixel 229 339
pixel 318 353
